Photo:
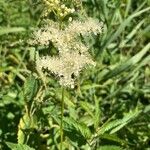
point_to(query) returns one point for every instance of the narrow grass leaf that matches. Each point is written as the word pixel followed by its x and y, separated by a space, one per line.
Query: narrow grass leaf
pixel 110 147
pixel 5 30
pixel 122 27
pixel 129 63
pixel 132 33
pixel 112 137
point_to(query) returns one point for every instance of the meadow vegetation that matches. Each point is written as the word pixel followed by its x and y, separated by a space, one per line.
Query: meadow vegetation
pixel 99 101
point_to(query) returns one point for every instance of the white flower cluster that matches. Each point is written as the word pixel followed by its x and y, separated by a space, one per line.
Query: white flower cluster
pixel 66 40
pixel 73 54
pixel 87 27
pixel 66 66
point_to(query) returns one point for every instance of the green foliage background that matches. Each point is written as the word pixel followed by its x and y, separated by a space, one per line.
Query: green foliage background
pixel 109 109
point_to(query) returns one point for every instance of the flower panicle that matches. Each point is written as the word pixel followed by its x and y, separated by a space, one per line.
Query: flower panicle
pixel 65 66
pixel 73 55
pixel 61 38
pixel 87 27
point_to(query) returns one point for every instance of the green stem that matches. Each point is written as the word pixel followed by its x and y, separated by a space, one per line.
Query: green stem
pixel 62 114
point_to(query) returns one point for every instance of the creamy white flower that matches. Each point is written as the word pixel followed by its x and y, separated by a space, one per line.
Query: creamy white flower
pixel 87 27
pixel 67 66
pixel 67 39
pixel 73 55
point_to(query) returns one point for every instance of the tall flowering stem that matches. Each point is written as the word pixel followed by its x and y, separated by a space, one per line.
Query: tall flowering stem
pixel 61 123
pixel 68 39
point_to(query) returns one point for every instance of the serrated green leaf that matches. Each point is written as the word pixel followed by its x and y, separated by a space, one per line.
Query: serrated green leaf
pixel 87 107
pixel 114 126
pixel 13 146
pixel 30 88
pixel 27 123
pixel 81 128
